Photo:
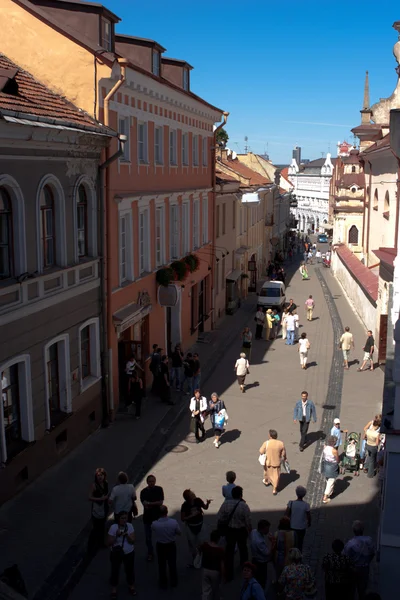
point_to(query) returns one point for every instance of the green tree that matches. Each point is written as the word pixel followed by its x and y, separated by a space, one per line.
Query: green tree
pixel 222 137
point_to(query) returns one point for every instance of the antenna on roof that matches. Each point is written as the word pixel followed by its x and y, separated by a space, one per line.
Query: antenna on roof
pixel 246 148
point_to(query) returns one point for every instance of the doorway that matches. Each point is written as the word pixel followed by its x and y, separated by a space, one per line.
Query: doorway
pixel 133 341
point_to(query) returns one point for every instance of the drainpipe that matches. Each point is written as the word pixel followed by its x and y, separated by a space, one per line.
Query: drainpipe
pixel 396 233
pixel 214 186
pixel 369 208
pixel 105 247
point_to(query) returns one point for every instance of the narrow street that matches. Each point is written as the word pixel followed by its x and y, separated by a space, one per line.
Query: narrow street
pixel 274 384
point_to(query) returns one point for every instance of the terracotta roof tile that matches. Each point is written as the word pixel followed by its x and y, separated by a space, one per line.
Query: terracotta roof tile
pixel 367 280
pixel 35 99
pixel 241 169
pixel 348 179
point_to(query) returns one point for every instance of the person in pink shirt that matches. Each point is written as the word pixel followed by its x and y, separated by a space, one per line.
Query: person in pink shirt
pixel 310 305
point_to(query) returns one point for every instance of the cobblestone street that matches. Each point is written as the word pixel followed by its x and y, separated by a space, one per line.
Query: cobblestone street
pixel 55 524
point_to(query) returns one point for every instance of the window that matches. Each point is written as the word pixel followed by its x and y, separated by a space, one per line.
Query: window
pixel 205 220
pixel 142 143
pixel 185 149
pixel 172 148
pixel 6 237
pixel 174 231
pixel 353 169
pixel 53 381
pixel 11 409
pixel 376 201
pixel 58 386
pixel 125 247
pixel 106 35
pixel 196 224
pixel 204 152
pixel 160 236
pixel 353 235
pixel 234 215
pixel 144 238
pixel 82 222
pixel 47 227
pixel 158 146
pixel 185 228
pixel 224 218
pixel 387 203
pixel 185 79
pixel 124 129
pixel 353 190
pixel 195 150
pixel 89 353
pixel 217 222
pixel 223 273
pixel 156 63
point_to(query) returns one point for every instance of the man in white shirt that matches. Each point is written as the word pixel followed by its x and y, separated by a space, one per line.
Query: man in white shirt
pixel 318 255
pixel 260 546
pixel 290 328
pixel 165 531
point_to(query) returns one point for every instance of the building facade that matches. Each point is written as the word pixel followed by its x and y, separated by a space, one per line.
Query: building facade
pixel 50 309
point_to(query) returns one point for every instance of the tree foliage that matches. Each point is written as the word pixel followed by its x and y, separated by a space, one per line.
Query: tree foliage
pixel 222 137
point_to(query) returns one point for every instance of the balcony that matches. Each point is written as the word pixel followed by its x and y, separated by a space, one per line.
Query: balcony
pixel 41 287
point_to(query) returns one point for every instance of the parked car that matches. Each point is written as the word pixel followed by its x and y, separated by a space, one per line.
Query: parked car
pixel 272 295
pixel 322 238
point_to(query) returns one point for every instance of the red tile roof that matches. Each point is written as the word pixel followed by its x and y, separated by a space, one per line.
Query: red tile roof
pixel 221 177
pixel 346 180
pixel 32 98
pixel 383 143
pixel 241 169
pixel 367 280
pixel 386 255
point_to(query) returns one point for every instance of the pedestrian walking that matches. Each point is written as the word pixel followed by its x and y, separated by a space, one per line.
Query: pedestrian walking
pixel 372 436
pixel 98 496
pixel 299 513
pixel 336 431
pixel 136 393
pixel 259 319
pixel 188 367
pixel 369 425
pixel 247 337
pixel 155 361
pixel 234 521
pixel 152 498
pixel 277 321
pixel 339 574
pixel 176 367
pixel 163 385
pixel 268 324
pixel 329 467
pixel 284 324
pixel 368 352
pixel 213 567
pixel 296 580
pixel 361 550
pixel 242 369
pixel 228 487
pixel 284 541
pixel 198 407
pixel 123 497
pixel 304 412
pixel 131 367
pixel 275 453
pixel 121 539
pixel 290 329
pixel 346 343
pixel 192 517
pixel 261 547
pixel 310 257
pixel 217 410
pixel 303 271
pixel 196 372
pixel 251 589
pixel 291 306
pixel 165 531
pixel 318 255
pixel 310 305
pixel 304 346
pixel 296 325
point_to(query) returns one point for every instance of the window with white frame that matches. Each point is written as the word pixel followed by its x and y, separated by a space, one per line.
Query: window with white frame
pixel 174 227
pixel 205 220
pixel 16 413
pixel 185 79
pixel 156 63
pixel 204 151
pixel 196 224
pixel 144 242
pixel 195 150
pixel 89 353
pixel 172 148
pixel 125 247
pixel 160 235
pixel 6 235
pixel 185 228
pixel 124 128
pixel 12 229
pixel 58 386
pixel 51 239
pixel 158 146
pixel 106 35
pixel 185 149
pixel 142 142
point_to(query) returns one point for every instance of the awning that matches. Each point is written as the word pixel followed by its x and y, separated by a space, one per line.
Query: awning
pixel 234 275
pixel 326 226
pixel 129 315
pixel 250 198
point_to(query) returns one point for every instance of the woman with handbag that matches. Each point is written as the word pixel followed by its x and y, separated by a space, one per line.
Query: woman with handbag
pixel 242 369
pixel 296 580
pixel 247 337
pixel 198 407
pixel 275 453
pixel 218 417
pixel 121 537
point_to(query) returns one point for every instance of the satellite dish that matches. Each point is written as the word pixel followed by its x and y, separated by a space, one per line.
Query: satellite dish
pixel 234 155
pixel 228 152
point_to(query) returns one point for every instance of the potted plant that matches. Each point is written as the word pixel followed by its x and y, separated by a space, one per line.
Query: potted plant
pixel 165 276
pixel 244 276
pixel 180 269
pixel 192 261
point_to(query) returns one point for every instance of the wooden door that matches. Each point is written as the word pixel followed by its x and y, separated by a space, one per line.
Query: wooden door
pixel 383 325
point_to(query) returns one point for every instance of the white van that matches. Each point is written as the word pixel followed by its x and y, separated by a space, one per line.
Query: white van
pixel 272 295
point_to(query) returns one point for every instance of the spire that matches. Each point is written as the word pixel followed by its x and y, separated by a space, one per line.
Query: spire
pixel 366 92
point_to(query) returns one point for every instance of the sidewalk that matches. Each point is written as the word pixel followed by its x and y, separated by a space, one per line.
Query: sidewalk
pixel 44 529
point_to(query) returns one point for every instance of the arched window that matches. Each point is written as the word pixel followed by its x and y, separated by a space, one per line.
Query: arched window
pixel 376 201
pixel 353 235
pixel 47 227
pixel 82 221
pixel 6 235
pixel 353 169
pixel 386 210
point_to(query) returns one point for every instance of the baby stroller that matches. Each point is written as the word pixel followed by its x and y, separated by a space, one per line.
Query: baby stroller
pixel 351 458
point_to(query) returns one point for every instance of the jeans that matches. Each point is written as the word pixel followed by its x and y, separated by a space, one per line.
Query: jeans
pixel 148 537
pixel 196 382
pixel 176 376
pixel 211 585
pixel 189 387
pixel 235 536
pixel 166 554
pixel 304 425
pixel 128 560
pixel 193 540
pixel 290 337
pixel 371 452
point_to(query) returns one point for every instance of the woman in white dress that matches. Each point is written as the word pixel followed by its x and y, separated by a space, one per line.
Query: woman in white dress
pixel 296 325
pixel 330 467
pixel 304 346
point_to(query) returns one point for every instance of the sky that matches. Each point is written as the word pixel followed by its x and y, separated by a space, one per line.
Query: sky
pixel 289 72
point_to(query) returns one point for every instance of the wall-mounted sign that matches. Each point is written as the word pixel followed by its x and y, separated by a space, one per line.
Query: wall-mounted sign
pixel 168 295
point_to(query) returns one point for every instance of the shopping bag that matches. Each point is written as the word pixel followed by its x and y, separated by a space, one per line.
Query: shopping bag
pixel 285 467
pixel 262 459
pixel 219 421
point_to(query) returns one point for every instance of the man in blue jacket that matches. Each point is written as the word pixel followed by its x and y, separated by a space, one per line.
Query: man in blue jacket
pixel 304 411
